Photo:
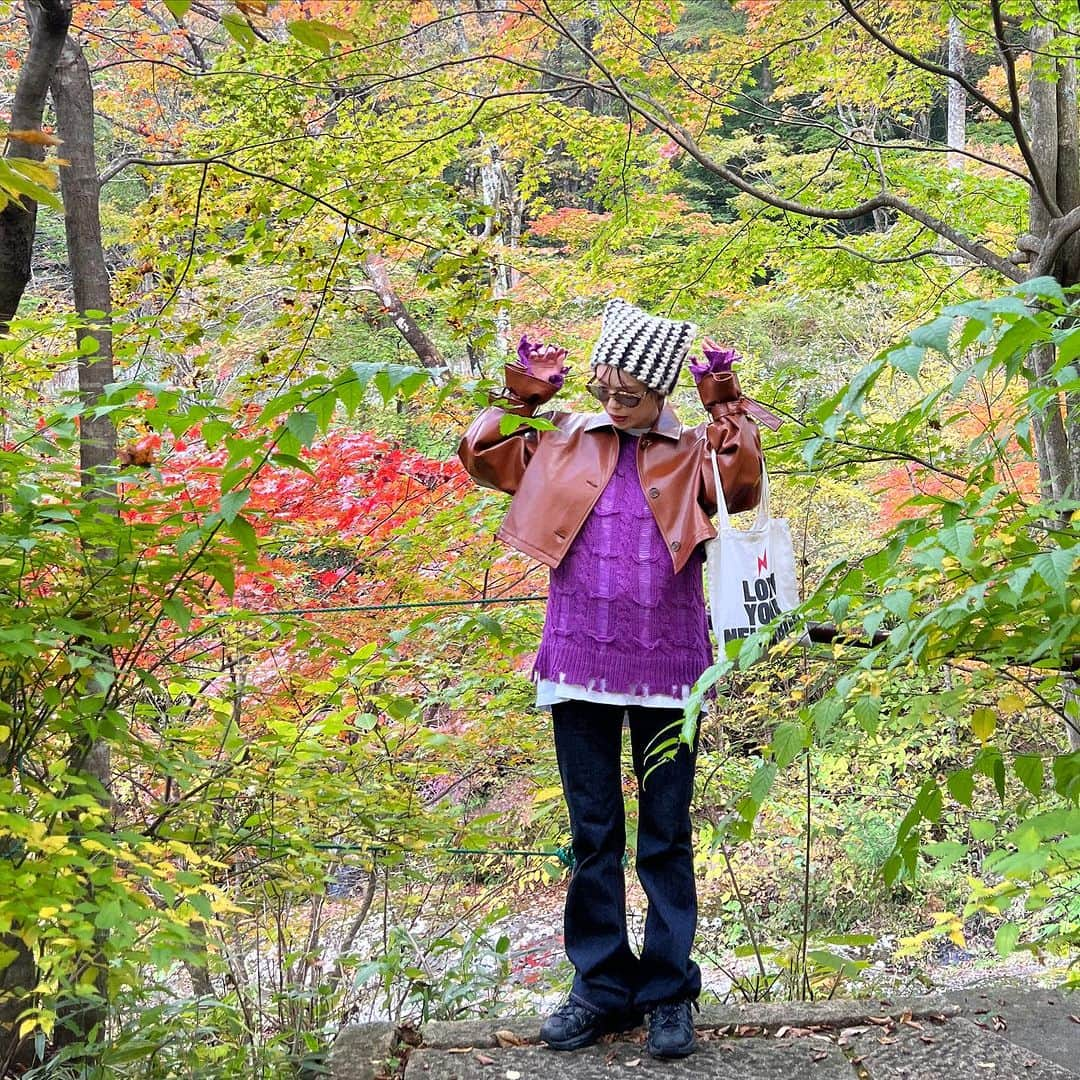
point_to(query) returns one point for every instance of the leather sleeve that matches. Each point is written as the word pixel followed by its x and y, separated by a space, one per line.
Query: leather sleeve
pixel 734 435
pixel 496 460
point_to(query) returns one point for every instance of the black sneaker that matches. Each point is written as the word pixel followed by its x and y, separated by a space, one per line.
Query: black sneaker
pixel 671 1030
pixel 573 1025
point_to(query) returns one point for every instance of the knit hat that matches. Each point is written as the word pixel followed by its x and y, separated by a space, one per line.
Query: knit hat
pixel 646 346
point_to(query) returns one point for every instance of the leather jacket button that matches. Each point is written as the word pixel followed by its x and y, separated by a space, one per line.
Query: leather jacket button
pixel 654 493
pixel 675 545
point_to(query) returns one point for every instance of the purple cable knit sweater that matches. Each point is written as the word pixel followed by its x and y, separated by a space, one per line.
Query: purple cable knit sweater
pixel 619 619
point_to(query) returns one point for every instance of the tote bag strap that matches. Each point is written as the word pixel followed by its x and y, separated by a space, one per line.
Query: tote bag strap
pixel 722 515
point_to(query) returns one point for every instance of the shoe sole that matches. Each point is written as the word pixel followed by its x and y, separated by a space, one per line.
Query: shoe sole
pixel 676 1052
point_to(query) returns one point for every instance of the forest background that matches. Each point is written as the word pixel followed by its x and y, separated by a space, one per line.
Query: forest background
pixel 269 756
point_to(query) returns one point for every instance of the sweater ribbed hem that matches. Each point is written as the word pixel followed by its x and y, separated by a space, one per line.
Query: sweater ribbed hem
pixel 623 674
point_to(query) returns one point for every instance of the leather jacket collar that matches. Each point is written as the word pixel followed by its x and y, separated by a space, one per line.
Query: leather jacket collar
pixel 667 423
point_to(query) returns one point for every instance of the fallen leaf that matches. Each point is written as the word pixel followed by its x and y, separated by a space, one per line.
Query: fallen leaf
pixel 820 1055
pixel 928 1039
pixel 912 1024
pixel 1074 1018
pixel 881 1021
pixel 632 1062
pixel 507 1038
pixel 781 1031
pixel 484 1059
pixel 513 1074
pixel 999 1023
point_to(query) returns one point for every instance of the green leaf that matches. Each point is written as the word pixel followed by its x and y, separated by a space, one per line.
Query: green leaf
pixel 1046 286
pixel 983 830
pixel 317 35
pixel 983 722
pixel 178 611
pixel 109 915
pixel 224 575
pixel 323 406
pixel 242 530
pixel 232 503
pixel 1029 770
pixel 290 461
pixel 961 785
pixel 945 853
pixel 509 423
pixel 178 8
pixel 788 740
pixel 935 334
pixel 866 710
pixel 1054 567
pixel 308 33
pixel 957 539
pixel 908 359
pixel 303 426
pixel 239 30
pixel 1006 938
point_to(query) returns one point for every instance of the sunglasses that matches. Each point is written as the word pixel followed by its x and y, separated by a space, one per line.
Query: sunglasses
pixel 604 395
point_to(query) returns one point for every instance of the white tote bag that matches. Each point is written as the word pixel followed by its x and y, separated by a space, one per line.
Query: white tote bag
pixel 751 571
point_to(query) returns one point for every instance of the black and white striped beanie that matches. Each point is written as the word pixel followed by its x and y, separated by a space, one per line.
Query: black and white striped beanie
pixel 646 346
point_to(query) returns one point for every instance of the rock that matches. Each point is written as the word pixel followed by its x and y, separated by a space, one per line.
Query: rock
pixel 363 1051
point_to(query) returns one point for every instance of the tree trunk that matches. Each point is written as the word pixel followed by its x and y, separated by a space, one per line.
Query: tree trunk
pixel 503 228
pixel 73 97
pixel 399 314
pixel 1058 481
pixel 80 1020
pixel 957 108
pixel 48 21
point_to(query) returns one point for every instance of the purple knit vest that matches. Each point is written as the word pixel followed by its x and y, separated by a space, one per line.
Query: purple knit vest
pixel 619 619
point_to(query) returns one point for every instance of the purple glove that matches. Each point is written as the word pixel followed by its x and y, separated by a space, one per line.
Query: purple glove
pixel 718 360
pixel 543 361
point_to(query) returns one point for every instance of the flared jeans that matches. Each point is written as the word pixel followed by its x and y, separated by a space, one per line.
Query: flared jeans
pixel 609 977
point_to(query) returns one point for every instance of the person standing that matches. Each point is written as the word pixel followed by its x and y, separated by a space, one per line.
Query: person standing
pixel 617 503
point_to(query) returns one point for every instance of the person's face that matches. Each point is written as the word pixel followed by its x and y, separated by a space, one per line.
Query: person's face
pixel 623 416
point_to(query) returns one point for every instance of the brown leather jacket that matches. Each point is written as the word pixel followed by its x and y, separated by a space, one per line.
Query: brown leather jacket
pixel 556 476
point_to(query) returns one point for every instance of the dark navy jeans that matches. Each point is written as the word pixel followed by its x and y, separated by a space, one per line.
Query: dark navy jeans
pixel 608 976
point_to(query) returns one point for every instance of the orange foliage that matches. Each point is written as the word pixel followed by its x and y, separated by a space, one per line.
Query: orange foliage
pixel 1013 469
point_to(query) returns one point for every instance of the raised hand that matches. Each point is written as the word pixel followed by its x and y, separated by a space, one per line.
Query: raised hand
pixel 718 359
pixel 542 361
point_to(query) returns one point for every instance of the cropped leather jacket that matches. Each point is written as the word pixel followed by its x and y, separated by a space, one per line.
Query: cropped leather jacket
pixel 556 475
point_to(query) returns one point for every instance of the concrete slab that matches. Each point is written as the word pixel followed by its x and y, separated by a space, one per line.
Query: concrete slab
pixel 747 1059
pixel 840 1013
pixel 1041 1020
pixel 482 1034
pixel 955 1050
